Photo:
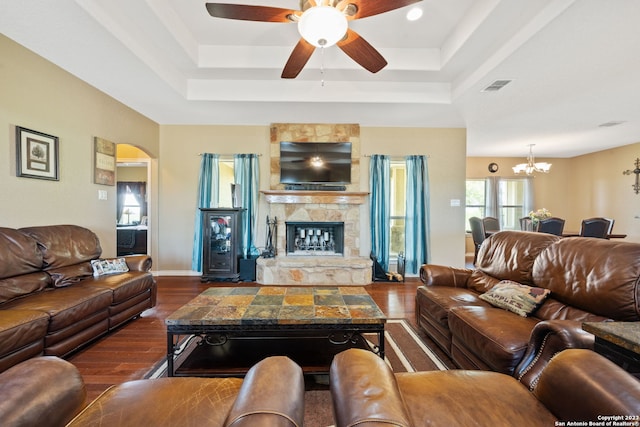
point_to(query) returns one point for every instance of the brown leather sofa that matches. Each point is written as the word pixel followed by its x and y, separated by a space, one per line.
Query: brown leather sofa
pixel 48 391
pixel 590 280
pixel 577 385
pixel 50 302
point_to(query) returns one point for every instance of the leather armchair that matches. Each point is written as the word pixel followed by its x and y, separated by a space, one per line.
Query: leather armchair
pixel 576 385
pixel 50 391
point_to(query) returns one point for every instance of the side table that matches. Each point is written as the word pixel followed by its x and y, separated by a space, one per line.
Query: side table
pixel 618 342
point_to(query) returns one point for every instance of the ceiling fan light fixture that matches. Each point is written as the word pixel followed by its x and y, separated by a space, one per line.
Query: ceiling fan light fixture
pixel 323 26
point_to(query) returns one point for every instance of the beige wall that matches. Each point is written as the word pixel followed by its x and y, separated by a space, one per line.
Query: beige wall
pixel 180 149
pixel 38 95
pixel 598 188
pixel 181 146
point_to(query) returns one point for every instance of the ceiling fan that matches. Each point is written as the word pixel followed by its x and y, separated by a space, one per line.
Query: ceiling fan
pixel 321 23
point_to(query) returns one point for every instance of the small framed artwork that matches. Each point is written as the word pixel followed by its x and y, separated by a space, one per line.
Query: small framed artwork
pixel 105 162
pixel 36 154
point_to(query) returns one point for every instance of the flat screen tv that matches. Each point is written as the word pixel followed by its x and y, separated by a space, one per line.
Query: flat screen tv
pixel 315 162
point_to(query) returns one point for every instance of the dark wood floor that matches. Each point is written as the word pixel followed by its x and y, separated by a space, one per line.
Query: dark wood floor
pixel 132 350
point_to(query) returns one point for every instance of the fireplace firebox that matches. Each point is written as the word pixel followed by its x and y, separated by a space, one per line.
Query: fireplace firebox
pixel 315 238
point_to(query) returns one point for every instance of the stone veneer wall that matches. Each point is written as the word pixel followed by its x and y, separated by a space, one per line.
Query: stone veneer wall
pixel 347 269
pixel 315 133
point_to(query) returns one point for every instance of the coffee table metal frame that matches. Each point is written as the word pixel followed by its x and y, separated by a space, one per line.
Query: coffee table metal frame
pixel 336 334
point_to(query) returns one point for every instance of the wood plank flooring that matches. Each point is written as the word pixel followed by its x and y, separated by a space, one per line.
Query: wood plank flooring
pixel 129 352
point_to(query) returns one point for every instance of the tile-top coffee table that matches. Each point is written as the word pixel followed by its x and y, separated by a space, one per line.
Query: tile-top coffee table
pixel 232 328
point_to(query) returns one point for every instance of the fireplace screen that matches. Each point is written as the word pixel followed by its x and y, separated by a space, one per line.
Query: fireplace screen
pixel 315 238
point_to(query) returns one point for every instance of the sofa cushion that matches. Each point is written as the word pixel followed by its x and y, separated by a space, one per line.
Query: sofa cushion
pixel 65 306
pixel 552 309
pixel 66 276
pixel 595 275
pixel 64 245
pixel 163 402
pixel 19 328
pixel 17 286
pixel 19 254
pixel 123 286
pixel 510 255
pixel 515 297
pixel 438 300
pixel 480 282
pixel 498 336
pixel 465 398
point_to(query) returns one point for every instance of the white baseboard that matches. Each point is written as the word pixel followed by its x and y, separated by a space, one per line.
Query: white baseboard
pixel 176 273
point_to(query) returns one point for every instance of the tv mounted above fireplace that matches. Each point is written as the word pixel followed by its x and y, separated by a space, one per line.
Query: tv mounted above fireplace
pixel 315 162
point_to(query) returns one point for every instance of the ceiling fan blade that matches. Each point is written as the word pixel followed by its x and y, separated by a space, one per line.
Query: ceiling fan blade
pixel 250 13
pixel 367 8
pixel 298 59
pixel 362 52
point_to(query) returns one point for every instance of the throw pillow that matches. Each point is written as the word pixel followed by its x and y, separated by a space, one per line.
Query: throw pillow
pixel 102 267
pixel 515 297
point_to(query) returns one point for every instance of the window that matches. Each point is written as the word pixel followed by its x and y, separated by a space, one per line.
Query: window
pixel 475 200
pixel 511 202
pixel 225 179
pixel 398 207
pixel 507 199
pixel 131 210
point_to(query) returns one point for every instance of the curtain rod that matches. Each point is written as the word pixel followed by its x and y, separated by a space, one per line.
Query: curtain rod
pixel 428 156
pixel 229 155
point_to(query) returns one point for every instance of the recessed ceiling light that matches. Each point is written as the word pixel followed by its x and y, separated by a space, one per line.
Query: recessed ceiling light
pixel 414 14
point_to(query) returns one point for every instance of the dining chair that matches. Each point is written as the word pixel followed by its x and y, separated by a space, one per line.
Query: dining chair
pixel 553 225
pixel 595 227
pixel 610 231
pixel 478 234
pixel 526 224
pixel 490 224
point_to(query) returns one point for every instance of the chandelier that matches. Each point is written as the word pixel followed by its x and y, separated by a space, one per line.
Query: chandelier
pixel 531 166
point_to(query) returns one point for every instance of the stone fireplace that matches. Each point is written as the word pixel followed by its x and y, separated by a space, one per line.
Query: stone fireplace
pixel 329 215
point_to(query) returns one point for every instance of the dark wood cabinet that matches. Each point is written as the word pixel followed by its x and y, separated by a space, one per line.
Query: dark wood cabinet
pixel 221 243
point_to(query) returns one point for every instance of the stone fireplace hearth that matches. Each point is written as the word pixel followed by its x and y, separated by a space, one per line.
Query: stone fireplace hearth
pixel 312 207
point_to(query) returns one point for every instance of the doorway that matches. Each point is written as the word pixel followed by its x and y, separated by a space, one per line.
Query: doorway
pixel 133 213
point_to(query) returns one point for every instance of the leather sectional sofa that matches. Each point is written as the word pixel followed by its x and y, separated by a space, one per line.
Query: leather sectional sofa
pixel 48 391
pixel 577 386
pixel 587 280
pixel 50 301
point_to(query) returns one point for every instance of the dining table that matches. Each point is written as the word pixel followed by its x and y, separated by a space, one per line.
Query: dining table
pixel 609 236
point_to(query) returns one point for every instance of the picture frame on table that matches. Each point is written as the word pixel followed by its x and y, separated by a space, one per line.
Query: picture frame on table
pixel 37 155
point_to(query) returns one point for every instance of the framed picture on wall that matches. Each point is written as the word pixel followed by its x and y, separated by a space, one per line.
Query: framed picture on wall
pixel 36 154
pixel 105 162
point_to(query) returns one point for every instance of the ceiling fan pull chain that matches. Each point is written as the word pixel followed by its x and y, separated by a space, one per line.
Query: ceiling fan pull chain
pixel 322 66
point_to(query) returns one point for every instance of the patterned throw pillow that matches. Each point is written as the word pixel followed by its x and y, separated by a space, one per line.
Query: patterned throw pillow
pixel 515 297
pixel 102 267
